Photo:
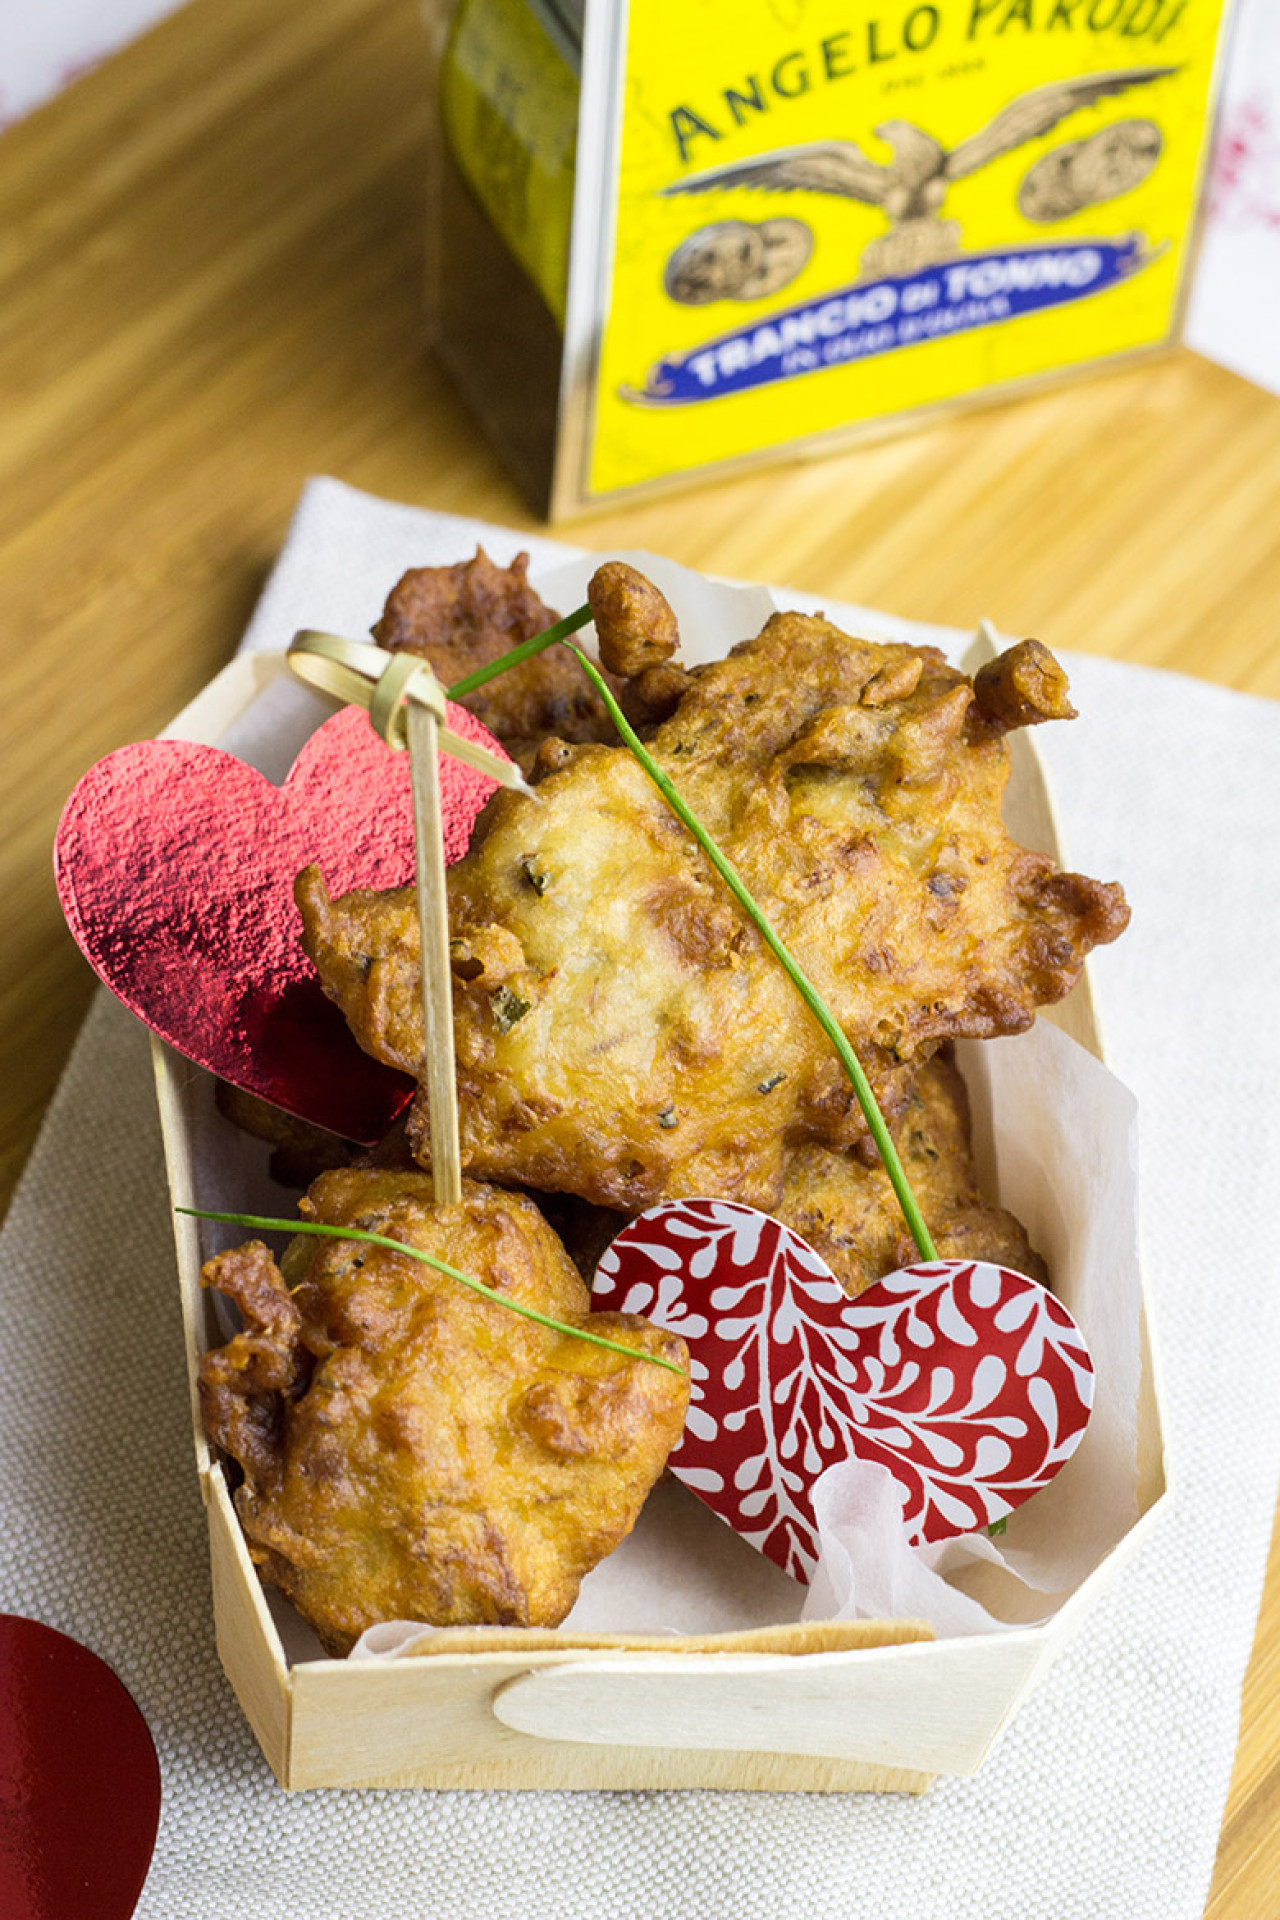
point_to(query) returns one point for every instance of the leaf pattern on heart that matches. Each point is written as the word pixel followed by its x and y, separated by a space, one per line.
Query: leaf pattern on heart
pixel 970 1382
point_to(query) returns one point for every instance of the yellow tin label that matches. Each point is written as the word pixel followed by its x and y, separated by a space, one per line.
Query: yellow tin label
pixel 829 213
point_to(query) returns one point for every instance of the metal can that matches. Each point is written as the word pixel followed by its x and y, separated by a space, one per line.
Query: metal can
pixel 755 230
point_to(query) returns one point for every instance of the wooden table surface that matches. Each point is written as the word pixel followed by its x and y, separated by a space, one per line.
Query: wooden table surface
pixel 210 287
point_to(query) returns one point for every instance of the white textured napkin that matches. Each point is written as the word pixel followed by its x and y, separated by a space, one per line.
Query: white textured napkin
pixel 1103 1800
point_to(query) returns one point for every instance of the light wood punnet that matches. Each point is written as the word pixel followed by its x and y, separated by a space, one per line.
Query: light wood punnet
pixel 873 1706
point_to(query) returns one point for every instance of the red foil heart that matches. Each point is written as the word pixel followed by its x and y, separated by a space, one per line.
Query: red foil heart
pixel 969 1382
pixel 79 1781
pixel 175 866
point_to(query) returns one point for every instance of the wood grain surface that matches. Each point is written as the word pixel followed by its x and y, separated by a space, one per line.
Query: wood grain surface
pixel 211 286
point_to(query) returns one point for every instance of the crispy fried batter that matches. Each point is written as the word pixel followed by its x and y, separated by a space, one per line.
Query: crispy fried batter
pixel 848 1212
pixel 245 1387
pixel 1021 687
pixel 462 617
pixel 626 1035
pixel 584 1230
pixel 412 1451
pixel 635 625
pixel 654 695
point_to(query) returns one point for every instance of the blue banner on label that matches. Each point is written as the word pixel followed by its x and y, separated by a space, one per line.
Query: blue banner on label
pixel 878 316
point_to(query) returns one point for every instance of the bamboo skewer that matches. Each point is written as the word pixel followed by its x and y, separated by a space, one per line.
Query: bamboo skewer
pixel 437 977
pixel 406 706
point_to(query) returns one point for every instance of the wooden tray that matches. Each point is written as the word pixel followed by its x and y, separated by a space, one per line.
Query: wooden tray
pixel 864 1706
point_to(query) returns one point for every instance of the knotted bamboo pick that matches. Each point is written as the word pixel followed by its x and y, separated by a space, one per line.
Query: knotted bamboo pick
pixel 406 705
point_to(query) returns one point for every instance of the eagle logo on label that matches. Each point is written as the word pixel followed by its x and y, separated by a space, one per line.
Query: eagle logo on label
pixel 912 188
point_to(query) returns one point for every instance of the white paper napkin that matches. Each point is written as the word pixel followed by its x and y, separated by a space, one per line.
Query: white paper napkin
pixel 1102 1801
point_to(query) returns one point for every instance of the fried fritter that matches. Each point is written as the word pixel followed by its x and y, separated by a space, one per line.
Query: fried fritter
pixel 1021 687
pixel 849 1214
pixel 462 617
pixel 622 1031
pixel 635 626
pixel 847 1210
pixel 413 1451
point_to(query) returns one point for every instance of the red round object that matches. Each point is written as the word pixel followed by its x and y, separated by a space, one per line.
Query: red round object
pixel 79 1781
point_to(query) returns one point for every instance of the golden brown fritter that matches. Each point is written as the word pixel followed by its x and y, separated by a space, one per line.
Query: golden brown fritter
pixel 1021 687
pixel 462 617
pixel 413 1451
pixel 849 1214
pixel 636 628
pixel 847 1210
pixel 622 1032
pixel 654 695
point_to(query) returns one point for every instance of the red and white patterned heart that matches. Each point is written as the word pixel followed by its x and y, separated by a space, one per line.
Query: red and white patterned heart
pixel 968 1381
